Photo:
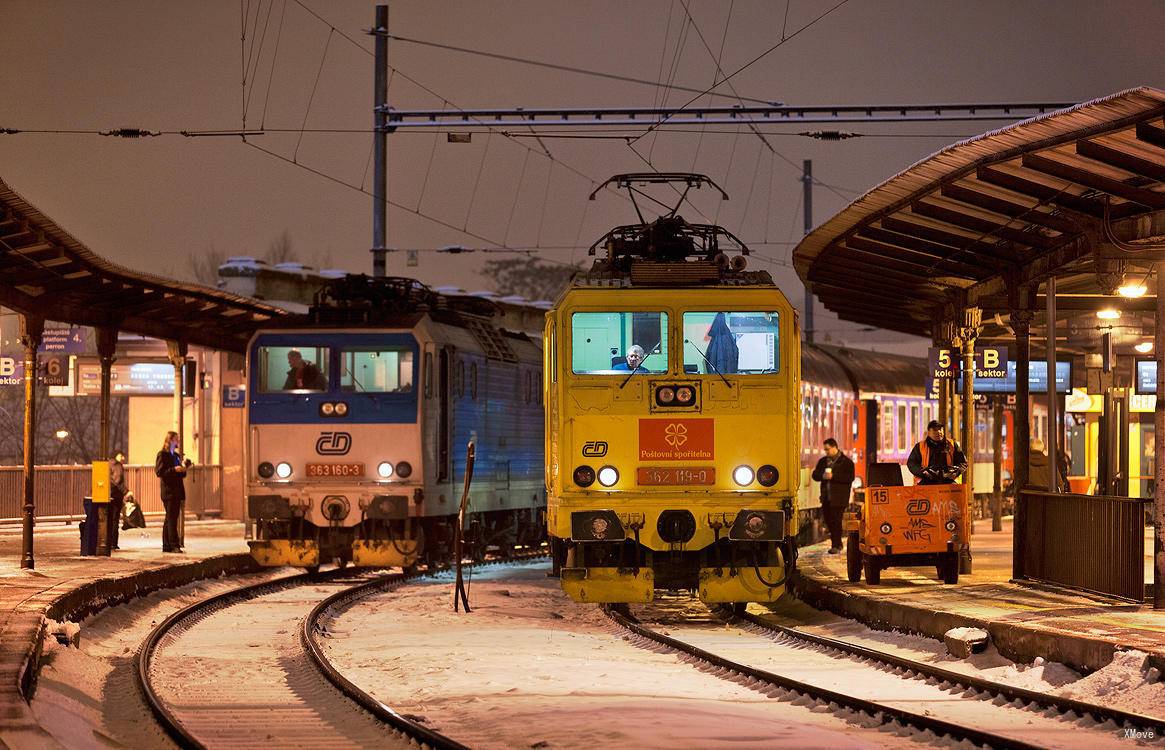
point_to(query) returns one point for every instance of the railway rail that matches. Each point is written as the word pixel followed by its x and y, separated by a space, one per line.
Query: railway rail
pixel 310 703
pixel 984 688
pixel 985 724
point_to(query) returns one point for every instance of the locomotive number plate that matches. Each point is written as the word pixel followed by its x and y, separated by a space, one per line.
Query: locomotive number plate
pixel 676 475
pixel 335 470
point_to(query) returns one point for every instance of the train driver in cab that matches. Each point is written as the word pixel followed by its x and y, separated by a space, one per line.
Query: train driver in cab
pixel 303 375
pixel 936 460
pixel 634 360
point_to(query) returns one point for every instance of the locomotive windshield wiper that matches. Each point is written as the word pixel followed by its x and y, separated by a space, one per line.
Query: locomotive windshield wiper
pixel 655 350
pixel 714 367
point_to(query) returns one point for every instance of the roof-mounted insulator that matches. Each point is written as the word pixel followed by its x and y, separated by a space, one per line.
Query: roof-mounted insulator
pixel 129 133
pixel 830 135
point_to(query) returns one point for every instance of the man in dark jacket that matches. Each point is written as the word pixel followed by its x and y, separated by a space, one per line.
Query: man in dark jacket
pixel 835 471
pixel 303 375
pixel 936 460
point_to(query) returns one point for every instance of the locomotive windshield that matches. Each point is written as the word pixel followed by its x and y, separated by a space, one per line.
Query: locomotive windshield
pixel 376 370
pixel 293 368
pixel 732 343
pixel 614 343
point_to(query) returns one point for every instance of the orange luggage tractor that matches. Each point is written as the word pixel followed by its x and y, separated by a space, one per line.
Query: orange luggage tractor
pixel 902 526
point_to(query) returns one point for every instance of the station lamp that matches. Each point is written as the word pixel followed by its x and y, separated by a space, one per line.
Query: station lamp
pixel 1108 314
pixel 1132 290
pixel 1144 347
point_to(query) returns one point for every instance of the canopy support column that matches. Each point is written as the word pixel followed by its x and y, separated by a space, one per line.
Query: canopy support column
pixel 1159 448
pixel 968 333
pixel 31 330
pixel 177 352
pixel 106 347
pixel 1053 421
pixel 1021 319
pixel 997 452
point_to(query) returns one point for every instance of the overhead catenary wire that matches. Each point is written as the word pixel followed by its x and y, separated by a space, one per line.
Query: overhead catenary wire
pixel 750 63
pixel 274 62
pixel 495 245
pixel 446 102
pixel 307 110
pixel 567 68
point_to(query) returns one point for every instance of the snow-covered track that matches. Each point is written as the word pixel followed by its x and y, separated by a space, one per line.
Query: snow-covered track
pixel 279 690
pixel 205 695
pixel 981 724
pixel 314 629
pixel 985 689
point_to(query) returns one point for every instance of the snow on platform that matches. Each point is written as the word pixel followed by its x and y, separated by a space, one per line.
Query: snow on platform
pixel 1026 621
pixel 63 580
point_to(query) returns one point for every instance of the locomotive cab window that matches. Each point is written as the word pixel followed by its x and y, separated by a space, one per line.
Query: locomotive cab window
pixel 614 343
pixel 388 370
pixel 732 343
pixel 293 369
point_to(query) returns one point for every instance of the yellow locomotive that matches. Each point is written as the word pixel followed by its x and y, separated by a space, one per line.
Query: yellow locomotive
pixel 672 417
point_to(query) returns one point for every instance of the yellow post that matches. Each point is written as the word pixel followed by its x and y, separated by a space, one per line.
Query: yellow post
pixel 100 486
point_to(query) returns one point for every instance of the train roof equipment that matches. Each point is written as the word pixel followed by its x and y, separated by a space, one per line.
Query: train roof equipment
pixel 668 250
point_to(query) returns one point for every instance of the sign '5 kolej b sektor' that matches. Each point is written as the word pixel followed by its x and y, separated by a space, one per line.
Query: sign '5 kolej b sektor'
pixel 990 362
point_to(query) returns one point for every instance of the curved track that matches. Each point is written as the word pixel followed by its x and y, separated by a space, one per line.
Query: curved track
pixel 984 688
pixel 280 692
pixel 893 701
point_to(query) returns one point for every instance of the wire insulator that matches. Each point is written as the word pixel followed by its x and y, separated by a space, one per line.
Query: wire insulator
pixel 830 135
pixel 129 133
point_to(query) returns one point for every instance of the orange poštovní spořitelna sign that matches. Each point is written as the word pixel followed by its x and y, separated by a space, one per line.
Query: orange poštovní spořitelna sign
pixel 677 439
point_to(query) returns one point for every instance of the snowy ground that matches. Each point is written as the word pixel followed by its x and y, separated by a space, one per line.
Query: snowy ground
pixel 1124 684
pixel 88 697
pixel 529 668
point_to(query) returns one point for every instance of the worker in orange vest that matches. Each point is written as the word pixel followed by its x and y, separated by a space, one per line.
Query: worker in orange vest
pixel 936 460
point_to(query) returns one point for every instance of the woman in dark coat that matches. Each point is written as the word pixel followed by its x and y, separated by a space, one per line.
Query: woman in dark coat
pixel 171 469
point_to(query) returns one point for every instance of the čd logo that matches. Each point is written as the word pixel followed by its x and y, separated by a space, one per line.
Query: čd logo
pixel 918 507
pixel 334 444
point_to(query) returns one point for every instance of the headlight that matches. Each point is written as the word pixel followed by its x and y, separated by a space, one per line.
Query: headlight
pixel 404 469
pixel 327 408
pixel 283 469
pixel 341 409
pixel 584 476
pixel 685 395
pixel 266 469
pixel 951 525
pixel 767 475
pixel 608 475
pixel 885 528
pixel 384 469
pixel 857 483
pixel 666 395
pixel 742 475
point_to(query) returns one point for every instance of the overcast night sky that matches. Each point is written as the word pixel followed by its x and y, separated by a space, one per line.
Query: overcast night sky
pixel 173 66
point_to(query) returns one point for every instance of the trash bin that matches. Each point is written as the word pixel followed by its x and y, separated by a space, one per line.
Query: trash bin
pixel 89 528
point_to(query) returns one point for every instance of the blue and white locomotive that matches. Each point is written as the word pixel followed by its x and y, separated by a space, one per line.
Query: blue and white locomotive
pixel 358 416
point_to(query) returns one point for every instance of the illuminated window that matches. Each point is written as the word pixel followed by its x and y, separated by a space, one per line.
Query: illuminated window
pixel 293 368
pixel 732 343
pixel 387 370
pixel 602 343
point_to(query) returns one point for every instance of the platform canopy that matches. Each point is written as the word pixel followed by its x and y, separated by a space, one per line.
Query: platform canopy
pixel 1078 193
pixel 46 272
